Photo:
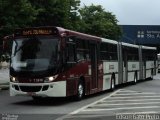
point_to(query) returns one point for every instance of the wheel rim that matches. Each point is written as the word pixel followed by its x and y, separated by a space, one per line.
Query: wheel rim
pixel 80 90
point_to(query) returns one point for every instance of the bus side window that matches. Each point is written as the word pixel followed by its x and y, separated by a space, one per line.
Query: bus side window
pixel 82 49
pixel 71 52
pixel 80 55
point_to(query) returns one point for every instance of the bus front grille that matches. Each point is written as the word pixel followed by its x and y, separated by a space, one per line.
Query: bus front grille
pixel 30 88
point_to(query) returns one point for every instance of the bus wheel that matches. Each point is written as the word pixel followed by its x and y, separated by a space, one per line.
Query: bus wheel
pixel 113 82
pixel 80 91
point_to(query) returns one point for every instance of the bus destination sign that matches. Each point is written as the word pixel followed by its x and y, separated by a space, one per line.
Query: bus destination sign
pixel 36 31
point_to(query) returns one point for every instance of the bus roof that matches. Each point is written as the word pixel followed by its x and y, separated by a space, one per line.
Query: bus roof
pixel 147 47
pixel 109 41
pixel 52 30
pixel 130 45
pixel 78 34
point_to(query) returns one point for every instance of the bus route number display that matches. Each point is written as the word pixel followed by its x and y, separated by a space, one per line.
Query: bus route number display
pixel 37 32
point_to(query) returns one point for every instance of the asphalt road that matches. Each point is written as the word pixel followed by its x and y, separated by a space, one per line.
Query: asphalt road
pixel 128 102
pixel 47 109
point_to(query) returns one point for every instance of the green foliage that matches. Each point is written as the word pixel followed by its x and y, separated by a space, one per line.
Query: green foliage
pixel 96 21
pixel 14 14
pixel 64 13
pixel 61 13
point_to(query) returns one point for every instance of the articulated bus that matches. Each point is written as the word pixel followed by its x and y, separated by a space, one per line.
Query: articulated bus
pixel 56 62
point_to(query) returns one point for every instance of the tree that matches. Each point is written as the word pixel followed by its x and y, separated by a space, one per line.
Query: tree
pixel 14 14
pixel 61 13
pixel 96 21
pixel 64 13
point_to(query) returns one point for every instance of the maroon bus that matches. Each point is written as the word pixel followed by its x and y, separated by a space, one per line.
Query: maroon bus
pixel 56 62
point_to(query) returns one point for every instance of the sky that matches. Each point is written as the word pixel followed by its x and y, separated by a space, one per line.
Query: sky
pixel 131 12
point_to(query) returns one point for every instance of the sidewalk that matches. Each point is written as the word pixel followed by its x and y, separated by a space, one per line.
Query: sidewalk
pixel 4 78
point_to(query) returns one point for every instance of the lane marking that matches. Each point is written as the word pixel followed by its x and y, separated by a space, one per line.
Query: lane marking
pixel 102 115
pixel 124 108
pixel 125 90
pixel 86 106
pixel 130 100
pixel 125 104
pixel 137 94
pixel 120 91
pixel 75 112
pixel 134 97
pixel 147 112
pixel 87 116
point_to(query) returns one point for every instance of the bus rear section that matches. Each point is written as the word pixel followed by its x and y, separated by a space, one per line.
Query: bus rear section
pixel 130 62
pixel 109 57
pixel 149 62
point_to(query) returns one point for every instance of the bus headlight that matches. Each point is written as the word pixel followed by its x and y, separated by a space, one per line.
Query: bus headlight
pixel 13 79
pixel 50 79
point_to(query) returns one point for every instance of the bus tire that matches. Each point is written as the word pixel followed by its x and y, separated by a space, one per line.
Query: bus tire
pixel 80 91
pixel 112 82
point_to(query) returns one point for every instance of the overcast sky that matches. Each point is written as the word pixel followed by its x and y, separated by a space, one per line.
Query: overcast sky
pixel 131 12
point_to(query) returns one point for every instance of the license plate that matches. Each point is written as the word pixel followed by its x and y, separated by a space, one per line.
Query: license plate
pixel 31 93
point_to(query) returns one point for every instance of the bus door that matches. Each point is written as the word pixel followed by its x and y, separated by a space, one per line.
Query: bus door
pixel 120 64
pixel 155 64
pixel 144 69
pixel 125 69
pixel 140 63
pixel 94 65
pixel 144 64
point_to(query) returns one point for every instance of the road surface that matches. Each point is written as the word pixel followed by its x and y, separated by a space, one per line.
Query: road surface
pixel 127 102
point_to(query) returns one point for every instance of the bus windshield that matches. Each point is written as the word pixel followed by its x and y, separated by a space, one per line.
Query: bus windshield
pixel 34 54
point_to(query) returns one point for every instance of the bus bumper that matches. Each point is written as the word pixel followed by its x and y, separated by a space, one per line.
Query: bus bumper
pixel 54 89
